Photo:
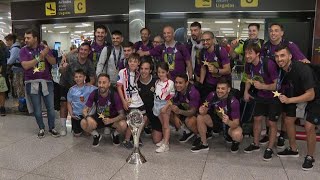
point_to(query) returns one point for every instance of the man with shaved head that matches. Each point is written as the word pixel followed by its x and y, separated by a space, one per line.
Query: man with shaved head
pixel 173 53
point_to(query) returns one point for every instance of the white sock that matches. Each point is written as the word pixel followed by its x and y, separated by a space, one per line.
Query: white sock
pixel 184 128
pixel 63 122
pixel 115 133
pixel 94 133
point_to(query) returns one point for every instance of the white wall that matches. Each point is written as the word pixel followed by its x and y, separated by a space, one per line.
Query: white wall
pixel 51 38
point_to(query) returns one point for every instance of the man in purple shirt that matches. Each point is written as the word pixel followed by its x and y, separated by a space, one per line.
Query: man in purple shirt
pixel 263 75
pixel 215 64
pixel 36 61
pixel 221 105
pixel 173 53
pixel 145 44
pixel 98 44
pixel 186 102
pixel 108 113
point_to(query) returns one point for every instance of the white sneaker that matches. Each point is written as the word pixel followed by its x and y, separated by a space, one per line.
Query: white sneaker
pixel 163 148
pixel 107 131
pixel 159 143
pixel 63 132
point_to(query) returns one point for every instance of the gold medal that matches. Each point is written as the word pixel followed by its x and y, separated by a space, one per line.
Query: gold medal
pixel 101 115
pixel 276 93
pixel 206 104
pixel 35 69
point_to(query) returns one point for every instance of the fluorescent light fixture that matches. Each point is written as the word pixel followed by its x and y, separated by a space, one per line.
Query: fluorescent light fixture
pixel 83 25
pixel 189 22
pixel 206 29
pixel 228 32
pixel 1 17
pixel 71 34
pixel 223 22
pixel 58 27
pixel 9 13
pixel 43 27
pixel 259 22
pixel 238 25
pixel 2 23
pixel 49 31
pixel 88 34
pixel 245 29
pixel 79 32
pixel 220 36
pixel 9 17
pixel 226 29
pixel 238 20
pixel 64 32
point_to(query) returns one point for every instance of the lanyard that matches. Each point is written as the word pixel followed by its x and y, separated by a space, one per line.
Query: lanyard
pixel 260 71
pixel 170 56
pixel 116 60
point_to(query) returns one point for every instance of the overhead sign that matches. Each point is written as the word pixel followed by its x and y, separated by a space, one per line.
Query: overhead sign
pixel 51 9
pixel 249 3
pixel 80 6
pixel 203 3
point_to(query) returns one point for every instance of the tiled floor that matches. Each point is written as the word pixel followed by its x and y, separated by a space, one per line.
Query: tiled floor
pixel 24 156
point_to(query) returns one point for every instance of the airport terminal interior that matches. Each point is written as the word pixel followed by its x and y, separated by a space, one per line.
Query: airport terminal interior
pixel 65 25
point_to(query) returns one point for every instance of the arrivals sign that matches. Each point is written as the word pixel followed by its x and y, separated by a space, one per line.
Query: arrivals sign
pixel 65 7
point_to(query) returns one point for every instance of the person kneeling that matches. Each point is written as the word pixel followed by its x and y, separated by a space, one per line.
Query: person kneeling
pixel 220 104
pixel 109 112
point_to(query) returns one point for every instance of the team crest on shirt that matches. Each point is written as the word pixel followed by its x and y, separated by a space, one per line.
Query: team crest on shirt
pixel 215 58
pixel 81 99
pixel 152 89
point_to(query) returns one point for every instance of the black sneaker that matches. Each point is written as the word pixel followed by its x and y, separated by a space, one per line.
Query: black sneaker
pixel 215 132
pixel 2 111
pixel 264 140
pixel 115 139
pixel 288 153
pixel 147 130
pixel 209 135
pixel 252 147
pixel 267 156
pixel 96 140
pixel 127 144
pixel 280 143
pixel 200 148
pixel 228 139
pixel 41 133
pixel 54 133
pixel 235 147
pixel 186 136
pixel 196 142
pixel 308 163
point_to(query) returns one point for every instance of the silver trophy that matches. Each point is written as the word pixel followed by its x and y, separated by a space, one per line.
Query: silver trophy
pixel 135 123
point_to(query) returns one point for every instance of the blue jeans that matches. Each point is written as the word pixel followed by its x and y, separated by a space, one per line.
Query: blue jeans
pixel 37 107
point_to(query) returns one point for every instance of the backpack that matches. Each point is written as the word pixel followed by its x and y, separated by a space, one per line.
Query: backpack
pixel 96 96
pixel 109 50
pixel 267 48
pixel 217 49
pixel 16 64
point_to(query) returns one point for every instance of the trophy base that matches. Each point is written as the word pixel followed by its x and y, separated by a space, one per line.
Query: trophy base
pixel 136 157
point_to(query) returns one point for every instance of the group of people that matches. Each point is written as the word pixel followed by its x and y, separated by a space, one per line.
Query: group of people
pixel 187 85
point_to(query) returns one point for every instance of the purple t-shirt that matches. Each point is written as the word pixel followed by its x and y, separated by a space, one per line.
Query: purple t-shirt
pixel 95 53
pixel 140 46
pixel 28 54
pixel 257 73
pixel 187 101
pixel 105 105
pixel 219 62
pixel 176 57
pixel 294 49
pixel 222 103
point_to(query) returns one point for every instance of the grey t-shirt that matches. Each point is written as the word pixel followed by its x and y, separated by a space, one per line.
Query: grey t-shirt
pixel 66 78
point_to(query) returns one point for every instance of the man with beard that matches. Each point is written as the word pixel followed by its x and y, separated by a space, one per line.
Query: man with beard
pixel 36 61
pixel 224 107
pixel 109 112
pixel 67 69
pixel 173 53
pixel 110 57
pixel 145 44
pixel 98 44
pixel 303 87
pixel 194 46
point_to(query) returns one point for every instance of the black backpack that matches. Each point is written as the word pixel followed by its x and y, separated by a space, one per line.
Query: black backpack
pixel 267 48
